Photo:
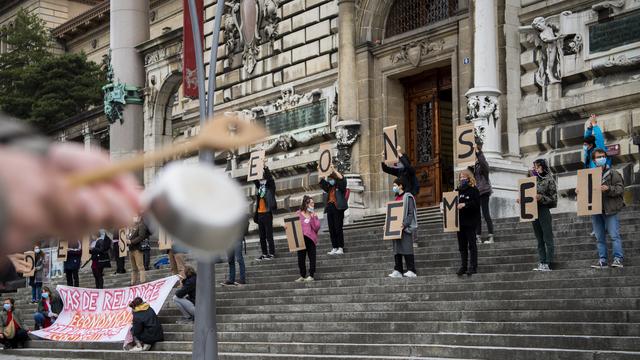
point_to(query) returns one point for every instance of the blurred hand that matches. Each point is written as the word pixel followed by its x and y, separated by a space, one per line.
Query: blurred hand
pixel 593 120
pixel 604 188
pixel 19 263
pixel 41 203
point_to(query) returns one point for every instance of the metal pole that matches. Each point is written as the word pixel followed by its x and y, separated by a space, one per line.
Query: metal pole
pixel 214 57
pixel 205 344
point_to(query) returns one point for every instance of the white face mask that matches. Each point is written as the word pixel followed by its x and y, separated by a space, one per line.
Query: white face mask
pixel 36 250
pixel 263 182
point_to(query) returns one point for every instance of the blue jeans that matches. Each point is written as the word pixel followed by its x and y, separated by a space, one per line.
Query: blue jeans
pixel 233 255
pixel 610 224
pixel 39 319
pixel 36 291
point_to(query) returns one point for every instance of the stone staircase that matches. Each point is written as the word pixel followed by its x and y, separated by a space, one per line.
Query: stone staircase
pixel 354 311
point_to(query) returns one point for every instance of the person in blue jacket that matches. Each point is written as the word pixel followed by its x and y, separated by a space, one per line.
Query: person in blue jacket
pixel 593 139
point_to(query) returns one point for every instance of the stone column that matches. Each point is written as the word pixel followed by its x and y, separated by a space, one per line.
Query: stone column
pixel 89 139
pixel 484 108
pixel 129 27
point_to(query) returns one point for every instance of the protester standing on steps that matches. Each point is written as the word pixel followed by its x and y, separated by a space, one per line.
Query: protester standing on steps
pixel 469 215
pixel 120 269
pixel 49 307
pixel 146 254
pixel 547 198
pixel 481 173
pixel 612 202
pixel 310 227
pixel 335 204
pixel 72 263
pixel 235 254
pixel 404 246
pixel 12 330
pixel 405 171
pixel 266 206
pixel 593 139
pixel 137 234
pixel 100 260
pixel 185 297
pixel 146 329
pixel 177 259
pixel 38 275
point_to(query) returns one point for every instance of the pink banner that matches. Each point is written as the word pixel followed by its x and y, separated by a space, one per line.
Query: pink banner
pixel 102 315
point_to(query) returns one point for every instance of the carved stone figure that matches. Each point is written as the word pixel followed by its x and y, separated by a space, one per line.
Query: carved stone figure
pixel 483 111
pixel 288 98
pixel 346 134
pixel 549 67
pixel 414 51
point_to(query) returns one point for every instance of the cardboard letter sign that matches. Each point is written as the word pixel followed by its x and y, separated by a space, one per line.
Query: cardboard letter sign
pixel 325 160
pixel 63 247
pixel 294 234
pixel 528 202
pixel 86 246
pixel 590 193
pixel 450 211
pixel 390 140
pixel 30 258
pixel 393 221
pixel 256 166
pixel 465 150
pixel 164 241
pixel 123 249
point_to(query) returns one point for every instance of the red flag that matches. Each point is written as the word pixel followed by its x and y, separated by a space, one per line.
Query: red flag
pixel 189 74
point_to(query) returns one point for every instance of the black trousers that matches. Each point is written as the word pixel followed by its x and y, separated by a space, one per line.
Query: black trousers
pixel 265 227
pixel 335 219
pixel 484 207
pixel 72 278
pixel 20 337
pixel 115 250
pixel 302 257
pixel 146 259
pixel 408 259
pixel 98 275
pixel 468 247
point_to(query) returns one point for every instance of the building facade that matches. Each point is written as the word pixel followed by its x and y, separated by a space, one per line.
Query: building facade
pixel 527 73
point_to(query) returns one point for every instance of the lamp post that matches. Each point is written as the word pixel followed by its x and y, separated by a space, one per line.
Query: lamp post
pixel 205 344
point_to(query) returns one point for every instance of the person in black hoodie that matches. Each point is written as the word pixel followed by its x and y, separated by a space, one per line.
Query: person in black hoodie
pixel 145 328
pixel 335 204
pixel 405 171
pixel 72 264
pixel 185 297
pixel 100 259
pixel 469 215
pixel 266 206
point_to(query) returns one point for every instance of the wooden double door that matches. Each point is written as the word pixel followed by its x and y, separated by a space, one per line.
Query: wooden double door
pixel 429 133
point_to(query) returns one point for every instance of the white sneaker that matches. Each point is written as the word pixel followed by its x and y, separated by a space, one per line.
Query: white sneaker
pixel 339 251
pixel 539 268
pixel 136 348
pixel 489 239
pixel 395 274
pixel 300 279
pixel 146 347
pixel 545 267
pixel 332 252
pixel 410 274
pixel 309 279
pixel 478 239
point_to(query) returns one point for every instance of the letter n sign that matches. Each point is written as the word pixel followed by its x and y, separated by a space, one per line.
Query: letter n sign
pixel 390 140
pixel 295 237
pixel 528 202
pixel 465 150
pixel 393 221
pixel 450 217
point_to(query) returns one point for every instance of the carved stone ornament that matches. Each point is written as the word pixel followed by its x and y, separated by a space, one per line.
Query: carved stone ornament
pixel 483 111
pixel 163 53
pixel 608 5
pixel 347 133
pixel 618 61
pixel 415 50
pixel 247 24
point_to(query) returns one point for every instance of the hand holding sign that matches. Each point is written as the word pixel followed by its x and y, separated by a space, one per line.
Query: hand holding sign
pixel 589 190
pixel 465 146
pixel 256 165
pixel 450 211
pixel 63 247
pixel 390 139
pixel 123 249
pixel 528 199
pixel 393 220
pixel 295 237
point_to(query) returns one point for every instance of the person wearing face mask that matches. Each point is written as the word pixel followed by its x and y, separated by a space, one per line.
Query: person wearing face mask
pixel 593 139
pixel 266 206
pixel 100 259
pixel 72 263
pixel 12 330
pixel 469 215
pixel 335 204
pixel 404 246
pixel 38 275
pixel 310 227
pixel 612 202
pixel 49 307
pixel 403 170
pixel 137 234
pixel 547 198
pixel 481 173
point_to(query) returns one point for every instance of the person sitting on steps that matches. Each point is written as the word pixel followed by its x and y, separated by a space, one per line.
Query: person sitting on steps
pixel 185 297
pixel 12 330
pixel 146 329
pixel 404 246
pixel 49 307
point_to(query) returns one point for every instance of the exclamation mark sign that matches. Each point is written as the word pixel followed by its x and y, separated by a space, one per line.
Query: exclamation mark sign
pixel 590 192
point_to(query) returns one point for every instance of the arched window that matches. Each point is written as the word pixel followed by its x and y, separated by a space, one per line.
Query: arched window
pixel 407 15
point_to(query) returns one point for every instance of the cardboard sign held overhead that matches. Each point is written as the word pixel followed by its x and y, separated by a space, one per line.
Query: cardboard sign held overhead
pixel 390 140
pixel 590 192
pixel 164 240
pixel 295 237
pixel 123 248
pixel 63 248
pixel 465 146
pixel 393 220
pixel 30 258
pixel 528 201
pixel 86 246
pixel 325 160
pixel 256 166
pixel 450 218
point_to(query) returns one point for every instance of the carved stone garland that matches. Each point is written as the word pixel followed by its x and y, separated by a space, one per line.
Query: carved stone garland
pixel 482 111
